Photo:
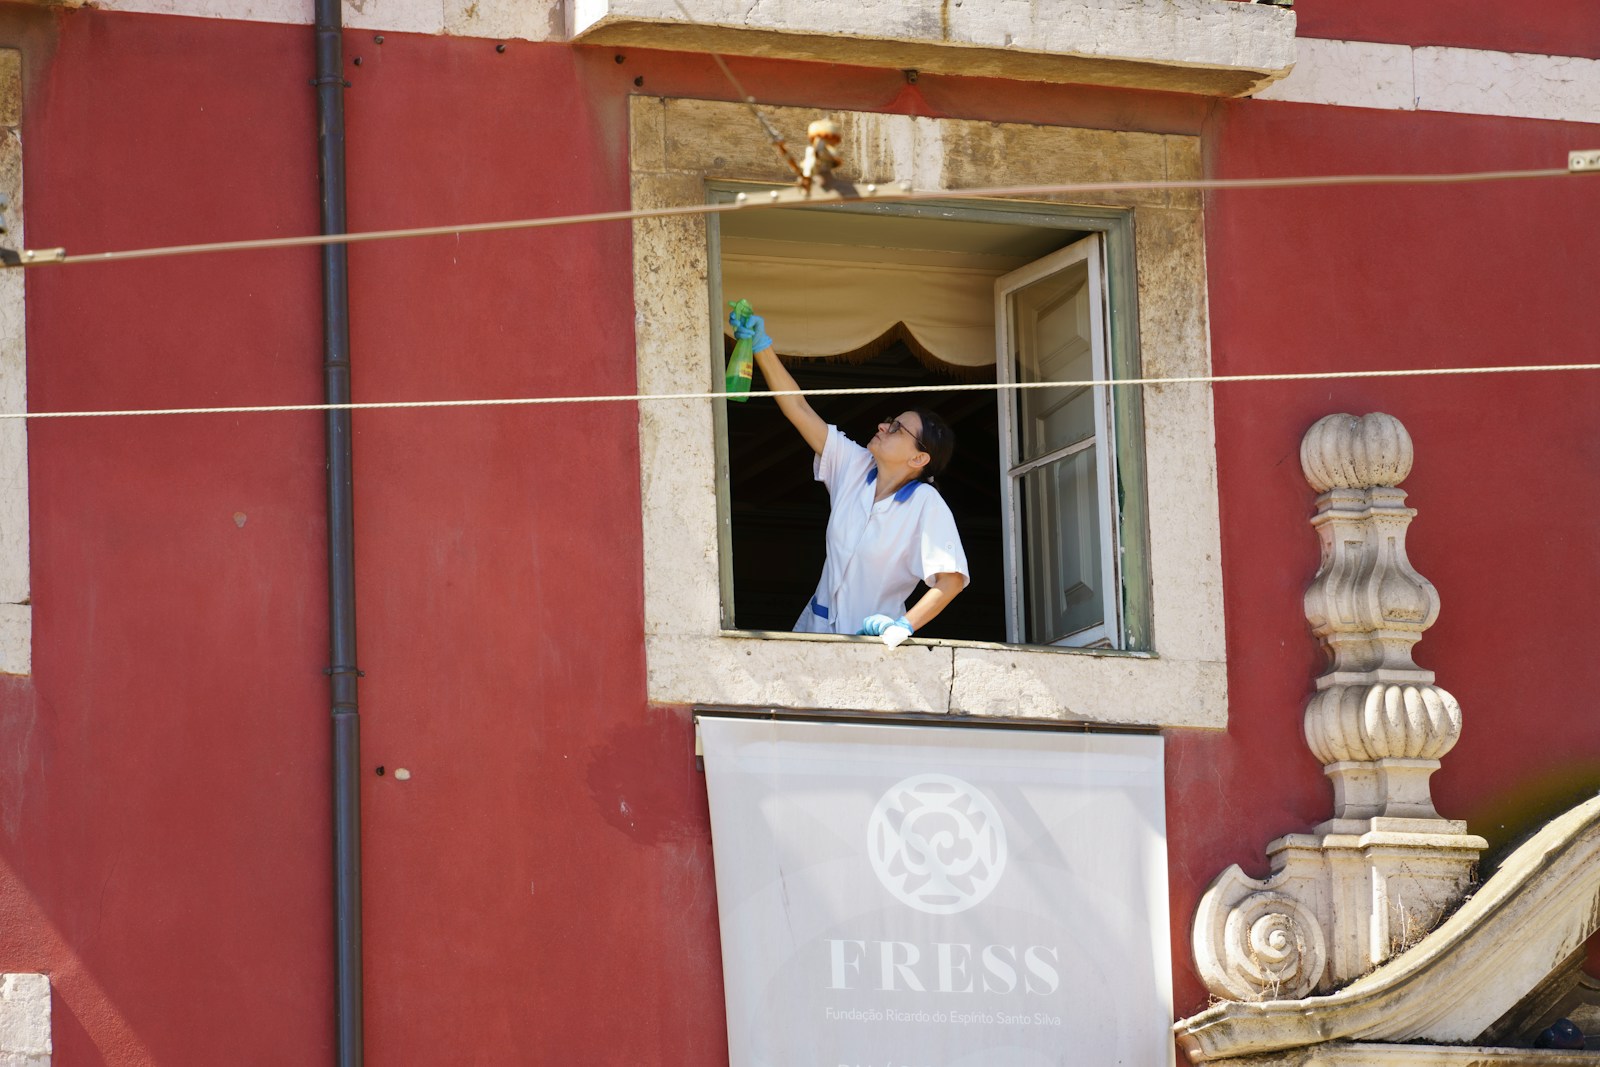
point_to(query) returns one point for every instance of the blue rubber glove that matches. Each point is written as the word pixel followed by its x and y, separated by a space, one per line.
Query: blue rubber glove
pixel 753 327
pixel 874 625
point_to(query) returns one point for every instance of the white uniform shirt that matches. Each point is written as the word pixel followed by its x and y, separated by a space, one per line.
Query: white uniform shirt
pixel 877 550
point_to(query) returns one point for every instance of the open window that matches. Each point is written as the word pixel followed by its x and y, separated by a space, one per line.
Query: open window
pixel 1058 451
pixel 1045 486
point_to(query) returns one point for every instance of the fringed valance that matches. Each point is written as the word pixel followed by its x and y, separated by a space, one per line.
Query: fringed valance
pixel 820 308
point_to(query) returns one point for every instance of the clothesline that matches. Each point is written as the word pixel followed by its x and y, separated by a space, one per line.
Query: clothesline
pixel 629 398
pixel 781 200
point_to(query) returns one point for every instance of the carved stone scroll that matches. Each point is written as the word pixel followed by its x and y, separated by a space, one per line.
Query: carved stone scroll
pixel 1502 965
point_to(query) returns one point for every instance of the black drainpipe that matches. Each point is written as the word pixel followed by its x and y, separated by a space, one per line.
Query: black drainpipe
pixel 342 672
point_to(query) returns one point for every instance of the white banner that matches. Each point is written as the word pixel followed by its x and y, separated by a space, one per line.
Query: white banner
pixel 928 896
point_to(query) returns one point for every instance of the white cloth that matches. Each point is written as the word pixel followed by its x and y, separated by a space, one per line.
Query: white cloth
pixel 877 550
pixel 949 310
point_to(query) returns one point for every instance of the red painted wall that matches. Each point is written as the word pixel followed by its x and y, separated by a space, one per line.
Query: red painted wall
pixel 540 888
pixel 1556 27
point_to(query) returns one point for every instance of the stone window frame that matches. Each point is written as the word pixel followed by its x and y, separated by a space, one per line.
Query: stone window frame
pixel 678 147
pixel 16 612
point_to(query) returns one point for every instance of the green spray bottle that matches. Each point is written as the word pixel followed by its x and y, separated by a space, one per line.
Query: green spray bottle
pixel 741 364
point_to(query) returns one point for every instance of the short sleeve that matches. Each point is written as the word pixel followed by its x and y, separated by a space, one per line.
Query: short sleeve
pixel 841 461
pixel 941 549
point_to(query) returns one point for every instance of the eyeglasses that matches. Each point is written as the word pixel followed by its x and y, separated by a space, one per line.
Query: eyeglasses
pixel 896 426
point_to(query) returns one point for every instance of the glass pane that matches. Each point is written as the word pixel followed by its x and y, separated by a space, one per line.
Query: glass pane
pixel 1061 514
pixel 1052 334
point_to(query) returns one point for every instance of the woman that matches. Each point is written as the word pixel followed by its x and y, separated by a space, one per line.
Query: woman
pixel 889 528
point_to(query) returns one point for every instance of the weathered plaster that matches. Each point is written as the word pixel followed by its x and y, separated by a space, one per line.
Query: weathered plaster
pixel 1088 687
pixel 1508 83
pixel 1200 46
pixel 1349 74
pixel 526 20
pixel 16 614
pixel 1462 80
pixel 676 148
pixel 24 1020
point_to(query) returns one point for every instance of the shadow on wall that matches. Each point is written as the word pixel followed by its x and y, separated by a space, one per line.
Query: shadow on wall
pixel 1509 818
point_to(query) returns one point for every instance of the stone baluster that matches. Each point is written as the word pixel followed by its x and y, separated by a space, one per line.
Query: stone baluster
pixel 1385 868
pixel 1377 722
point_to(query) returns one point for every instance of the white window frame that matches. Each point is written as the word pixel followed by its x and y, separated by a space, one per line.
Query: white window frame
pixel 1019 528
pixel 679 148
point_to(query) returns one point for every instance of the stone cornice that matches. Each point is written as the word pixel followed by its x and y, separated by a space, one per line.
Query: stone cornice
pixel 1211 47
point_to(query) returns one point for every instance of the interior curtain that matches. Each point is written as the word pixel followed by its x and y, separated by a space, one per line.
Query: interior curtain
pixel 820 308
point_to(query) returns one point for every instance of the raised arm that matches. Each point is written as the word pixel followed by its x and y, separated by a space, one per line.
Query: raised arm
pixel 795 408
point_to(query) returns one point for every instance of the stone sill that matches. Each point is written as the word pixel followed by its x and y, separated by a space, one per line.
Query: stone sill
pixel 941 642
pixel 1208 47
pixel 972 680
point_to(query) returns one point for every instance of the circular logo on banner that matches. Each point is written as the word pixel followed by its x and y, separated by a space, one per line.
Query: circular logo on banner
pixel 937 843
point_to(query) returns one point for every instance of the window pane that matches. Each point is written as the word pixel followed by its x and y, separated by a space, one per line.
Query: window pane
pixel 1061 510
pixel 1051 320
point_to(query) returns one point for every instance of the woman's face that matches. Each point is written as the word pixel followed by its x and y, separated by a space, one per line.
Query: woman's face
pixel 896 439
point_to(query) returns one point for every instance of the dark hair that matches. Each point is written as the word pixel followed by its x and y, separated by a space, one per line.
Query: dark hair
pixel 938 441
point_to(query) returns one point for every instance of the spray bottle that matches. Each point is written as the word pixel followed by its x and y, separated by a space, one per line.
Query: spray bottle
pixel 741 364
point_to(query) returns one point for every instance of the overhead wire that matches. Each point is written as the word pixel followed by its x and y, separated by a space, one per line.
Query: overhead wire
pixel 632 398
pixel 882 192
